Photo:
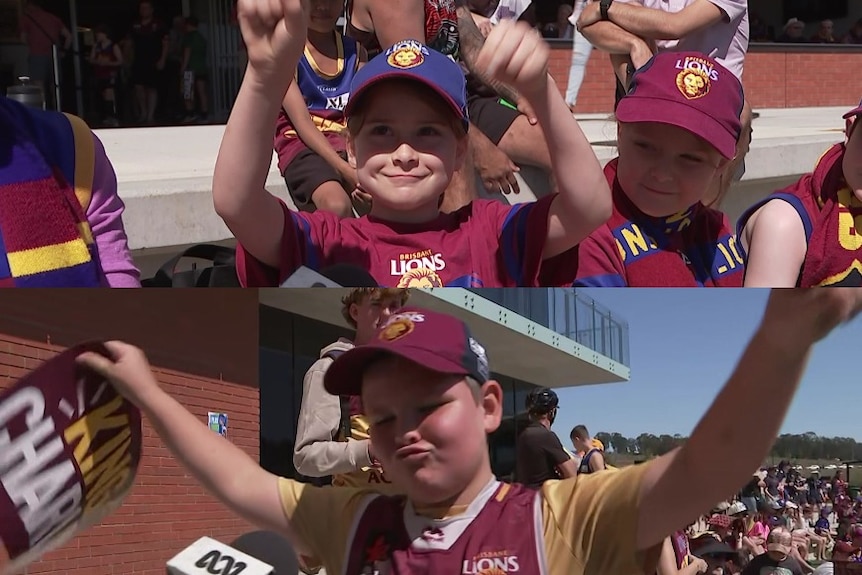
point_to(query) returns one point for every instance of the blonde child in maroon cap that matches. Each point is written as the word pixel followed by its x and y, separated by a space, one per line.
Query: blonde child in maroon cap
pixel 678 127
pixel 428 392
pixel 808 234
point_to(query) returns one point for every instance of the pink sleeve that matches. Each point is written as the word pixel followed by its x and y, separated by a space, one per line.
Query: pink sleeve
pixel 105 215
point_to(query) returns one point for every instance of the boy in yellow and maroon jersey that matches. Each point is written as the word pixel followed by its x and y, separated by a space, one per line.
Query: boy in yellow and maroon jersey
pixel 426 388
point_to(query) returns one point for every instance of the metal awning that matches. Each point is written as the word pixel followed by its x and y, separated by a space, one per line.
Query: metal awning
pixel 516 346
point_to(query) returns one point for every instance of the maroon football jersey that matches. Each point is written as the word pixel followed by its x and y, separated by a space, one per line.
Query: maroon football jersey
pixel 830 213
pixel 484 244
pixel 499 533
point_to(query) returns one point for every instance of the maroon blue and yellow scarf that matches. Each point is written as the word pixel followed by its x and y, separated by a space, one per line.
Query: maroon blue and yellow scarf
pixel 47 163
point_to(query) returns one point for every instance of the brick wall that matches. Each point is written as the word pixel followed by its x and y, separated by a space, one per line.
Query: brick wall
pixel 167 510
pixel 772 79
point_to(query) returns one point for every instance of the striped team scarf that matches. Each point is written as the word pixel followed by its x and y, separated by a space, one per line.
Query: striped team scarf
pixel 46 180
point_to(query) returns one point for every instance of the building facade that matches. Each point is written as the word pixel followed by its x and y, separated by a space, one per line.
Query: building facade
pixel 533 337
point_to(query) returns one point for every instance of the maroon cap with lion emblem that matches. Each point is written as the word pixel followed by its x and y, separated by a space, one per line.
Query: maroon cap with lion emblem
pixel 69 451
pixel 688 90
pixel 436 341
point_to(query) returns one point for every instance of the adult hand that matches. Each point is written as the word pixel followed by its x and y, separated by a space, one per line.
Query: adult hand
pixel 495 169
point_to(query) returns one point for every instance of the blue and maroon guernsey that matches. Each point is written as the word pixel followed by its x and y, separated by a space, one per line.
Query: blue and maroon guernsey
pixel 325 97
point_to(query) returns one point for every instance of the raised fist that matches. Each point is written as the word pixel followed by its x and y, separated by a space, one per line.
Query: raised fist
pixel 515 54
pixel 274 32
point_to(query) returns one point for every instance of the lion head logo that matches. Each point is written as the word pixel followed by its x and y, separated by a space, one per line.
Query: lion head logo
pixel 420 278
pixel 693 84
pixel 397 329
pixel 406 57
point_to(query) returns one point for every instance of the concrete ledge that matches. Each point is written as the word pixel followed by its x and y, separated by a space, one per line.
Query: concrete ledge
pixel 165 174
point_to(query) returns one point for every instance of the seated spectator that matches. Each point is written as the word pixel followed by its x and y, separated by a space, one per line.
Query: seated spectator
pixel 678 127
pixel 406 166
pixel 777 558
pixel 825 33
pixel 759 31
pixel 794 236
pixel 842 552
pixel 720 559
pixel 854 35
pixel 310 131
pixel 793 32
pixel 60 216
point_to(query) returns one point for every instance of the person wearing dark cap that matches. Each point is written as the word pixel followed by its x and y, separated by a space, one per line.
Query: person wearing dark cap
pixel 804 235
pixel 426 387
pixel 539 454
pixel 407 123
pixel 677 126
pixel 778 557
pixel 717 556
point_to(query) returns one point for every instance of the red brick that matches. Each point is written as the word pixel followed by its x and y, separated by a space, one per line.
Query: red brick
pixel 772 80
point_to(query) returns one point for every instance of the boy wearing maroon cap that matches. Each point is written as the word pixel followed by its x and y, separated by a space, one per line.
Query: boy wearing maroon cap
pixel 678 126
pixel 426 388
pixel 806 234
pixel 407 123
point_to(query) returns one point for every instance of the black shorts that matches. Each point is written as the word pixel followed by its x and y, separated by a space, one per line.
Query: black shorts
pixel 307 172
pixel 103 84
pixel 490 116
pixel 147 76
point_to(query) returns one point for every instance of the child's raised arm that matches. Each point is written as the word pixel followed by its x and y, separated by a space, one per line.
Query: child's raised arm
pixel 516 55
pixel 220 466
pixel 274 32
pixel 738 430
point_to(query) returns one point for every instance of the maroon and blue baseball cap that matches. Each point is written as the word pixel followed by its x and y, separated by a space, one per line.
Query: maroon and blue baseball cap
pixel 436 341
pixel 688 90
pixel 413 60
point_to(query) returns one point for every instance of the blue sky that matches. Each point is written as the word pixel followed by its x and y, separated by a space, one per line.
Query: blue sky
pixel 683 344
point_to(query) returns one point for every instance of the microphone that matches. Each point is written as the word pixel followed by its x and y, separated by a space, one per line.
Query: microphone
pixel 338 275
pixel 206 555
pixel 53 419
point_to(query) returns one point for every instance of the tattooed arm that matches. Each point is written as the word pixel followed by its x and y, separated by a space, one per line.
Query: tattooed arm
pixel 472 39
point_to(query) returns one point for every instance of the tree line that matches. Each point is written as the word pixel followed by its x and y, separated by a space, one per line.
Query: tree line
pixel 788 446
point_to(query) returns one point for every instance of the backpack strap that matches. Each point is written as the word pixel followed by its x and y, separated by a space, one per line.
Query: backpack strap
pixel 345 430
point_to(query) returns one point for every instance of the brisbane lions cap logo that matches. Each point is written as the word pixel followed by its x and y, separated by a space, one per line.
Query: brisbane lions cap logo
pixel 400 325
pixel 405 55
pixel 695 78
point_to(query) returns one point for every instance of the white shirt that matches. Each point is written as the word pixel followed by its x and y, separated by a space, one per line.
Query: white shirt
pixel 509 10
pixel 726 41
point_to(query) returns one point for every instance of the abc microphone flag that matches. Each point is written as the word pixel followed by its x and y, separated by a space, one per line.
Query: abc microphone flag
pixel 70 446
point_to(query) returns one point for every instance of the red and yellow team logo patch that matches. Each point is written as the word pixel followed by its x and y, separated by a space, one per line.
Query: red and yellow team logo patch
pixel 397 329
pixel 406 57
pixel 693 84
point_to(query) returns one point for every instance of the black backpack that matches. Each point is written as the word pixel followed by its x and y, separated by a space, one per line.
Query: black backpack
pixel 345 430
pixel 221 272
